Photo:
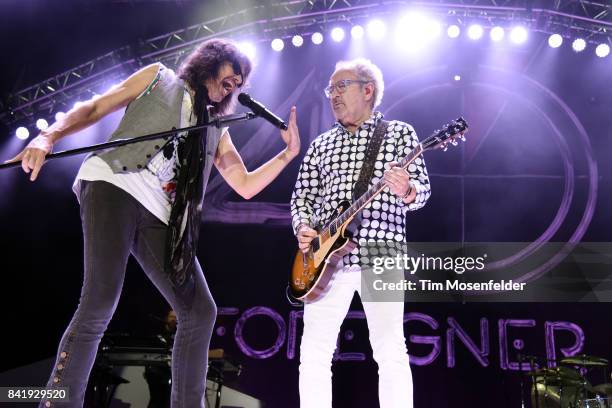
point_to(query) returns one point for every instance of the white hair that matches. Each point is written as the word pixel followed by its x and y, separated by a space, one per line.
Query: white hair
pixel 366 71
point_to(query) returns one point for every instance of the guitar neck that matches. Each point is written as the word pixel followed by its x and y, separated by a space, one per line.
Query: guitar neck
pixel 369 195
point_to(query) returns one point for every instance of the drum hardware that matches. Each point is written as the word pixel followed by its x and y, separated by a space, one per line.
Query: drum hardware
pixel 565 386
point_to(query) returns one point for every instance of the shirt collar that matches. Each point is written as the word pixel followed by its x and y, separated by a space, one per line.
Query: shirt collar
pixel 371 123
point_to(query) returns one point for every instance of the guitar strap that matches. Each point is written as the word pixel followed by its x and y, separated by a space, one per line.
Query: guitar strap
pixel 365 175
pixel 367 169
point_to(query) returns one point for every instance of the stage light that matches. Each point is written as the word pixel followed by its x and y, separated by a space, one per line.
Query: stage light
pixel 497 34
pixel 475 31
pixel 414 30
pixel 337 34
pixel 602 50
pixel 317 38
pixel 42 124
pixel 433 28
pixel 376 29
pixel 357 32
pixel 518 35
pixel 277 44
pixel 579 45
pixel 453 31
pixel 297 40
pixel 409 32
pixel 248 49
pixel 59 116
pixel 555 41
pixel 22 133
pixel 457 77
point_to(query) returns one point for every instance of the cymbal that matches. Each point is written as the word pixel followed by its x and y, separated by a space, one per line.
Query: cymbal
pixel 558 376
pixel 557 372
pixel 603 389
pixel 585 361
pixel 560 382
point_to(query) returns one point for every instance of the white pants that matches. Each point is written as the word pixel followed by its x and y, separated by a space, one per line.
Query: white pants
pixel 322 321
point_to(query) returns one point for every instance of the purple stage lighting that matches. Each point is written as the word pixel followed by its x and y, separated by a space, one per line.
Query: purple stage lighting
pixel 579 45
pixel 602 50
pixel 42 124
pixel 414 30
pixel 376 29
pixel 317 38
pixel 337 34
pixel 457 77
pixel 248 48
pixel 277 44
pixel 497 34
pixel 433 28
pixel 22 133
pixel 297 40
pixel 555 41
pixel 357 32
pixel 453 31
pixel 518 35
pixel 475 31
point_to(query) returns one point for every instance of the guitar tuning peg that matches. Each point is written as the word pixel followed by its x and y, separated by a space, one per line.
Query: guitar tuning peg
pixel 462 138
pixel 454 142
pixel 444 147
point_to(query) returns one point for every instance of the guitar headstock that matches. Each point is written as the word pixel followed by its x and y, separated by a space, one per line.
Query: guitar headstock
pixel 448 134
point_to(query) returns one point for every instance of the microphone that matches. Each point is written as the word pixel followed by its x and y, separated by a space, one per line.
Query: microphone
pixel 260 110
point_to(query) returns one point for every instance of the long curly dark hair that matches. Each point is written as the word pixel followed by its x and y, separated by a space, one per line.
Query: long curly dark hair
pixel 204 63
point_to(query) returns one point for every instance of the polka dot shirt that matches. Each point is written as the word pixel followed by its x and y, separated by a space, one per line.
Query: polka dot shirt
pixel 331 168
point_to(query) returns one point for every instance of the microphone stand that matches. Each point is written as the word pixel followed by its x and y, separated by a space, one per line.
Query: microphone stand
pixel 217 122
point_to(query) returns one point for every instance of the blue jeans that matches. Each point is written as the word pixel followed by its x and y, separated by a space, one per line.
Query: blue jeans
pixel 115 225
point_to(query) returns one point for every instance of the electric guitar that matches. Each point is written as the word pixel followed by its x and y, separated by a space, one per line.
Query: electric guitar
pixel 312 271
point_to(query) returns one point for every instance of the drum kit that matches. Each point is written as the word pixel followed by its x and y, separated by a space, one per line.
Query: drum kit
pixel 566 385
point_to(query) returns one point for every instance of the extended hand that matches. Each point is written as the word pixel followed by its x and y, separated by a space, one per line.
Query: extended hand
pixel 291 136
pixel 33 156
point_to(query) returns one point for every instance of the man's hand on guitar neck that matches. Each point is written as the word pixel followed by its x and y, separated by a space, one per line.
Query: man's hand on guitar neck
pixel 398 181
pixel 305 235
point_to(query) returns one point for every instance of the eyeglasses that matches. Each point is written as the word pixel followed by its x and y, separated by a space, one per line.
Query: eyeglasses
pixel 341 86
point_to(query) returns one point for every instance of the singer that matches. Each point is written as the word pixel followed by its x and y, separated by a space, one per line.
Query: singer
pixel 146 199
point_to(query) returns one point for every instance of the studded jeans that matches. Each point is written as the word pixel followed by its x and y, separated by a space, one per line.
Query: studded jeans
pixel 115 225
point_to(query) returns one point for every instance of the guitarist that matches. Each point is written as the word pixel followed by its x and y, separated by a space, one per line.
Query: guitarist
pixel 328 175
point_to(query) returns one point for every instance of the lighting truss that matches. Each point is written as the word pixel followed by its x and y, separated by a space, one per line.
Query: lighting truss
pixel 590 20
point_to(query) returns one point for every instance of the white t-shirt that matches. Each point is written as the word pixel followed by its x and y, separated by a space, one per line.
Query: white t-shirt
pixel 154 186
